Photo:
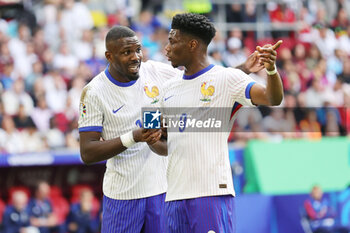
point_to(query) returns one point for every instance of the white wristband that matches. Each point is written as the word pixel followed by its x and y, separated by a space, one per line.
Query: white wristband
pixel 271 72
pixel 127 139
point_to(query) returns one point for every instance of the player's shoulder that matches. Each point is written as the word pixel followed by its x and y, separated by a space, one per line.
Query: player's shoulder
pixel 157 66
pixel 227 70
pixel 93 86
pixel 230 72
pixel 152 63
pixel 175 80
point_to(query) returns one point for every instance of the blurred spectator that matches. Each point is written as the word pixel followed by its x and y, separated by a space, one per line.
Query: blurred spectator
pixel 313 57
pixel 276 123
pixel 345 75
pixel 5 56
pixel 32 140
pixel 217 44
pixel 24 64
pixel 344 41
pixel 95 64
pixel 332 127
pixel 234 13
pixel 56 91
pixel 36 73
pixel 324 39
pixel 235 55
pixel 147 23
pixel 39 43
pixel 281 13
pixel 82 48
pixel 22 120
pixel 16 96
pixel 341 21
pixel 72 137
pixel 216 58
pixel 314 95
pixel 40 209
pixel 309 126
pixel 75 18
pixel 7 76
pixel 17 45
pixel 81 218
pixel 335 64
pixel 41 115
pixel 319 211
pixel 16 216
pixel 10 137
pixel 64 60
pixel 54 137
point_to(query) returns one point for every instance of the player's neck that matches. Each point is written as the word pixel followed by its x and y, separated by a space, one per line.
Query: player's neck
pixel 118 76
pixel 196 65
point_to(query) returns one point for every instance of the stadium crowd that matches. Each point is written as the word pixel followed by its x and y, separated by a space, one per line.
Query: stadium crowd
pixel 47 57
pixel 46 210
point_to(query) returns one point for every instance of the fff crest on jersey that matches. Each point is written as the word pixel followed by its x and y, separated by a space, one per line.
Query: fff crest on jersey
pixel 207 92
pixel 152 93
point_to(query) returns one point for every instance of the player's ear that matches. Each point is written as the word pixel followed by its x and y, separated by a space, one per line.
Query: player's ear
pixel 193 44
pixel 108 56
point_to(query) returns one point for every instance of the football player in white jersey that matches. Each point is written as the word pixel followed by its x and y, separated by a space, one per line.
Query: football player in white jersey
pixel 134 182
pixel 135 178
pixel 200 188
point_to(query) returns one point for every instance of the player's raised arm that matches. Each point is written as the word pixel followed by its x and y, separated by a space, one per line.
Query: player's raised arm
pixel 94 150
pixel 254 63
pixel 272 94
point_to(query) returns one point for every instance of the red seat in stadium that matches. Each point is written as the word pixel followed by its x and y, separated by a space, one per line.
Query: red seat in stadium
pixel 18 188
pixel 55 191
pixel 2 209
pixel 60 205
pixel 60 208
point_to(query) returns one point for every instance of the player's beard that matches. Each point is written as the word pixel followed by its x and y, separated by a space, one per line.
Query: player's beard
pixel 133 77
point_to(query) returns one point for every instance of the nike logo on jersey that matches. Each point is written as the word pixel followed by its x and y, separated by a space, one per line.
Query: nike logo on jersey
pixel 115 111
pixel 165 99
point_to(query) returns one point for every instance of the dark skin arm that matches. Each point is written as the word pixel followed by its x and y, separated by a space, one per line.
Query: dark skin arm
pixel 252 64
pixel 272 94
pixel 161 147
pixel 94 150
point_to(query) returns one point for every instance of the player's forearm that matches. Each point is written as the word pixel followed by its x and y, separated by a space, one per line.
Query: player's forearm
pixel 96 151
pixel 274 89
pixel 160 147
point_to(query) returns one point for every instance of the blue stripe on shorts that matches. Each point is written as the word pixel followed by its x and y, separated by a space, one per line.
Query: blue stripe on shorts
pixel 139 215
pixel 198 215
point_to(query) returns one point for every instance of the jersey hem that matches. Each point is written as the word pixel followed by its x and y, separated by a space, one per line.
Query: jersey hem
pixel 122 197
pixel 183 197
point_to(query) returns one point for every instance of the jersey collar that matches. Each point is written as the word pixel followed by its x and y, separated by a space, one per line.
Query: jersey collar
pixel 120 84
pixel 189 77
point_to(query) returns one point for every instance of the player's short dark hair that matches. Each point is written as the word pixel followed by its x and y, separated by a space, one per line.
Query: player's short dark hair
pixel 194 24
pixel 118 32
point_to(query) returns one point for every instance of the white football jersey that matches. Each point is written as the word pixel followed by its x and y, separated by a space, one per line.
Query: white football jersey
pixel 198 163
pixel 114 108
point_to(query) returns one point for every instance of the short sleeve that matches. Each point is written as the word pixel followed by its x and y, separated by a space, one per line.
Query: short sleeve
pixel 90 114
pixel 239 84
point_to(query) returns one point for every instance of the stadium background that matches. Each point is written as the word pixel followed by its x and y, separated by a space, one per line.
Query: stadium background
pixel 50 49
